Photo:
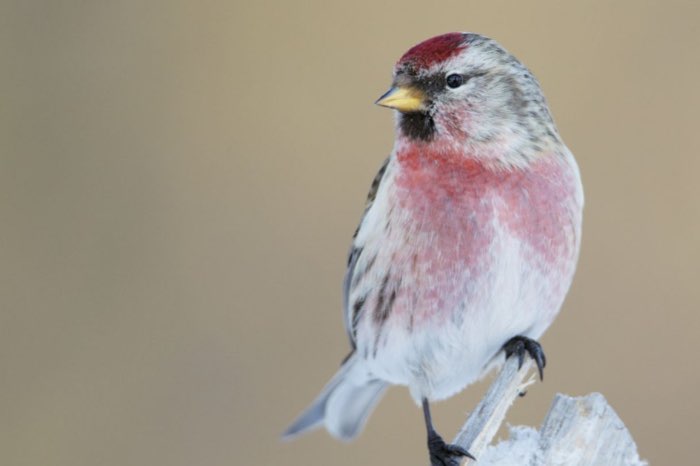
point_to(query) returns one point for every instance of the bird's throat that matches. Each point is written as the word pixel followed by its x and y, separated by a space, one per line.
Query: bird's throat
pixel 438 159
pixel 417 126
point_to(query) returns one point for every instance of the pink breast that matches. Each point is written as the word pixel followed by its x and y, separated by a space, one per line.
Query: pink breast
pixel 453 195
pixel 452 206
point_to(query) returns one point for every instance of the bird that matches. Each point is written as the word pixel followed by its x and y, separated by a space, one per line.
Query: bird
pixel 468 242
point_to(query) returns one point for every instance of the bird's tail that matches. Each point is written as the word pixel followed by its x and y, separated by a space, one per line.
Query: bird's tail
pixel 343 405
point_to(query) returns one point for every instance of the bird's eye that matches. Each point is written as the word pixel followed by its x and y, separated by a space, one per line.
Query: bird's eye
pixel 455 80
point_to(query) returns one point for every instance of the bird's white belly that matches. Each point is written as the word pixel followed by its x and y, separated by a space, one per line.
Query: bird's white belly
pixel 453 347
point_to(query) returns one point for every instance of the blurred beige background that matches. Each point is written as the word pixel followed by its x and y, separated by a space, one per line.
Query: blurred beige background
pixel 179 182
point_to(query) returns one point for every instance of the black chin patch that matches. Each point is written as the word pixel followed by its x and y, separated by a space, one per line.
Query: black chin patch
pixel 417 125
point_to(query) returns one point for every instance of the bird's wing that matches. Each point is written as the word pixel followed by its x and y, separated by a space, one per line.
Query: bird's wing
pixel 351 315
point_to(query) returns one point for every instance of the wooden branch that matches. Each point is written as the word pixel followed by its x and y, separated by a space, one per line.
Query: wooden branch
pixel 583 431
pixel 483 423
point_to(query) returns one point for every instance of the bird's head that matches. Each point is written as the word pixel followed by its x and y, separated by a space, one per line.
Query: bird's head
pixel 464 92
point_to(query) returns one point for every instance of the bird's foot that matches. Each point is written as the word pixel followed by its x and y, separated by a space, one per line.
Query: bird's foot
pixel 520 345
pixel 444 454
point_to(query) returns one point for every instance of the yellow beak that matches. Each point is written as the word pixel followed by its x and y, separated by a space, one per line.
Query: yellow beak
pixel 403 99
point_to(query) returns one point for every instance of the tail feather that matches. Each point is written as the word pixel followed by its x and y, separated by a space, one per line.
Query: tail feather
pixel 343 405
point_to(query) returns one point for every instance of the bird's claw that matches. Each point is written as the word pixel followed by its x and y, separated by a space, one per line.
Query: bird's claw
pixel 520 345
pixel 445 454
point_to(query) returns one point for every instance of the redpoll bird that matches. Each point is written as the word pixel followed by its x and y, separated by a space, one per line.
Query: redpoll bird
pixel 468 242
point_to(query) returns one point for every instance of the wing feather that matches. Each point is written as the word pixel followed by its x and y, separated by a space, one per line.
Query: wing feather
pixel 351 313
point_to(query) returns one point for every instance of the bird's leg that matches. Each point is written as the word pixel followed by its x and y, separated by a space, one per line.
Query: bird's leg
pixel 441 453
pixel 520 345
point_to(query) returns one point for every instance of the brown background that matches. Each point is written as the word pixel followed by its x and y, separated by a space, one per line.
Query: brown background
pixel 178 187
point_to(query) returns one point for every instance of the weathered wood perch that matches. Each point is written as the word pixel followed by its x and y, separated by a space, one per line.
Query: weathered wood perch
pixel 575 432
